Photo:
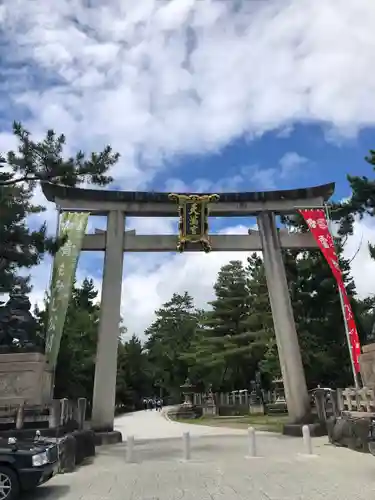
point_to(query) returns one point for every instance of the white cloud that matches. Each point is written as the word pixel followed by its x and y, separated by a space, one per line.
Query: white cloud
pixel 7 142
pixel 238 181
pixel 285 132
pixel 290 162
pixel 264 178
pixel 245 178
pixel 362 265
pixel 158 78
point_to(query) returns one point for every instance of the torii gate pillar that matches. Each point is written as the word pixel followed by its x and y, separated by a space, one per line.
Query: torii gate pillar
pixel 285 329
pixel 104 397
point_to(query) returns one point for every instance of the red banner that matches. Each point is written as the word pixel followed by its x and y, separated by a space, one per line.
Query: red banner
pixel 317 223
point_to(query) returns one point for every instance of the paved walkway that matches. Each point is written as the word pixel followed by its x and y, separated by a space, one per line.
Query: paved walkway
pixel 151 424
pixel 218 469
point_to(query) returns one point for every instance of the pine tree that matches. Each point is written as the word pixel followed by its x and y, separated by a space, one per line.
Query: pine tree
pixel 134 374
pixel 20 173
pixel 361 202
pixel 224 343
pixel 320 324
pixel 260 322
pixel 20 247
pixel 169 336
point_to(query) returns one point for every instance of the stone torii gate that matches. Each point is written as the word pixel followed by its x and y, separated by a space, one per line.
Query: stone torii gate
pixel 117 205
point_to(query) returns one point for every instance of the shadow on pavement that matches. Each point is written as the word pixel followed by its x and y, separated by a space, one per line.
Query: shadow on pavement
pixel 47 492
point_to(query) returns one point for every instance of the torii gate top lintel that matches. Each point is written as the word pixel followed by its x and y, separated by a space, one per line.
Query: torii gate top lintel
pixel 158 204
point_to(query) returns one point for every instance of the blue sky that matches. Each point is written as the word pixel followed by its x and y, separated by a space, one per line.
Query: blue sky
pixel 196 96
pixel 316 160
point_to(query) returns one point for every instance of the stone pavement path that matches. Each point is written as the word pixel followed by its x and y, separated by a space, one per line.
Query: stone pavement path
pixel 151 424
pixel 218 469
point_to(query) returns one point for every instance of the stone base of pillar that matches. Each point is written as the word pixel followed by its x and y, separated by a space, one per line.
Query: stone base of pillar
pixel 101 428
pixel 317 429
pixel 109 437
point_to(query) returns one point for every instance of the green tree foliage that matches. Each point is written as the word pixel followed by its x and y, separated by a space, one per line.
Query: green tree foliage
pixel 20 247
pixel 227 342
pixel 318 315
pixel 229 361
pixel 224 345
pixel 168 337
pixel 134 374
pixel 20 172
pixel 75 368
pixel 260 321
pixel 360 203
pixel 43 161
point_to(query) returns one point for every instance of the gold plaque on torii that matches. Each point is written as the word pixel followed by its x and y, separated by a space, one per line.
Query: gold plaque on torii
pixel 193 224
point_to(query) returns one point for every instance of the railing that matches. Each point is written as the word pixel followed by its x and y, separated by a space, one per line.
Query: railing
pixel 360 400
pixel 333 403
pixel 58 414
pixel 327 402
pixel 236 398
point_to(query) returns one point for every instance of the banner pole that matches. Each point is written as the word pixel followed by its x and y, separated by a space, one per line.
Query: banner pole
pixel 53 374
pixel 355 377
pixel 57 233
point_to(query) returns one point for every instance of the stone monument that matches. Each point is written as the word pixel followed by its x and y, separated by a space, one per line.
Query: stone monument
pixel 25 378
pixel 367 365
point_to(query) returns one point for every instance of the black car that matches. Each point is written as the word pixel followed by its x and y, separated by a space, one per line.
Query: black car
pixel 25 465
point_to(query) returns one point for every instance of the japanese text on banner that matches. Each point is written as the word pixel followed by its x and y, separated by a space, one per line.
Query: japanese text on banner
pixel 73 225
pixel 318 225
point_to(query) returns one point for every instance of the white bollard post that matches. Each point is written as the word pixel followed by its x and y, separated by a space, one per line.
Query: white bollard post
pixel 251 441
pixel 130 449
pixel 307 439
pixel 187 448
